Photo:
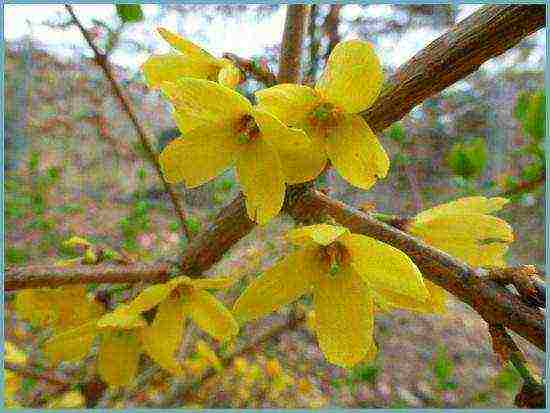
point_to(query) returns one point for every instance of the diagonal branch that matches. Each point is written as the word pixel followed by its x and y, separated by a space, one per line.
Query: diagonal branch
pixel 103 62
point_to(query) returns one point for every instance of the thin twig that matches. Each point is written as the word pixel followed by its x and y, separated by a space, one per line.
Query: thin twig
pixel 33 373
pixel 102 61
pixel 253 69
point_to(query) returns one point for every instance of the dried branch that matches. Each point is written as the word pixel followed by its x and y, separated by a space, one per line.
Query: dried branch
pixel 102 61
pixel 34 373
pixel 527 279
pixel 253 69
pixel 485 34
pixel 36 276
pixel 330 27
pixel 291 46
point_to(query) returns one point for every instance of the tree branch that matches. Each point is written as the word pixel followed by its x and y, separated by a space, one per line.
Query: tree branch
pixel 253 69
pixel 33 373
pixel 103 62
pixel 291 46
pixel 485 34
pixel 36 276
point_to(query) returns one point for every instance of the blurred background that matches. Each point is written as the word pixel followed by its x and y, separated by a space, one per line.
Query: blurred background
pixel 74 166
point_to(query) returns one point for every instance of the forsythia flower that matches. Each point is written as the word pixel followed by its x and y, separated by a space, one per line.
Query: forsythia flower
pixel 346 273
pixel 119 344
pixel 329 114
pixel 191 61
pixel 464 229
pixel 178 298
pixel 60 308
pixel 220 128
pixel 13 354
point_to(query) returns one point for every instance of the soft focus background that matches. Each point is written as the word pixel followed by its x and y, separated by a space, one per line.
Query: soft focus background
pixel 74 166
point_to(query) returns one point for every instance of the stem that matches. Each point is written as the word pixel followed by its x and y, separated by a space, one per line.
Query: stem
pixel 291 46
pixel 102 61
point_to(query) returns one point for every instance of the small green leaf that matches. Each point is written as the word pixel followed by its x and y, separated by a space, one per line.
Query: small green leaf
pixel 129 13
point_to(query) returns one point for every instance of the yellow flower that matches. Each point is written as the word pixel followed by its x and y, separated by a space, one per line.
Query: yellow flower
pixel 12 384
pixel 191 61
pixel 178 298
pixel 346 273
pixel 60 308
pixel 273 368
pixel 13 354
pixel 241 365
pixel 70 400
pixel 119 345
pixel 206 353
pixel 329 113
pixel 220 129
pixel 464 229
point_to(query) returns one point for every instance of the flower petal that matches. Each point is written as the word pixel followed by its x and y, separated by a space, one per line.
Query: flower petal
pixel 210 315
pixel 201 101
pixel 261 176
pixel 186 47
pixel 118 357
pixel 478 239
pixel 122 318
pixel 356 153
pixel 353 76
pixel 75 308
pixel 36 305
pixel 276 133
pixel 200 156
pixel 170 67
pixel 384 267
pixel 435 303
pixel 218 283
pixel 290 103
pixel 322 234
pixel 474 204
pixel 72 344
pixel 230 75
pixel 281 284
pixel 344 317
pixel 163 337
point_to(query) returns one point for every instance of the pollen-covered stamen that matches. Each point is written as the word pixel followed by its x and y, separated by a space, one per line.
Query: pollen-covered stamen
pixel 324 117
pixel 335 256
pixel 247 129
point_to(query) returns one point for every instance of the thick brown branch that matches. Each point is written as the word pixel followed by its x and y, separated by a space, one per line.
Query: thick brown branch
pixel 103 62
pixel 527 279
pixel 35 276
pixel 493 302
pixel 487 33
pixel 291 46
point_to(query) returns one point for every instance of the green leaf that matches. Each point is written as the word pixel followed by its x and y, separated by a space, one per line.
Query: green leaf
pixel 129 13
pixel 468 159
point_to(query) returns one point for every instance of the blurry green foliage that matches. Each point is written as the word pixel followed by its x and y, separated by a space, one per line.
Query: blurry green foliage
pixel 129 13
pixel 468 159
pixel 508 379
pixel 530 110
pixel 193 224
pixel 16 256
pixel 365 373
pixel 397 132
pixel 443 369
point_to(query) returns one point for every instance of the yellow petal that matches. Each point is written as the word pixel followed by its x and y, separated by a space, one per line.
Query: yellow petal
pixel 69 400
pixel 281 136
pixel 478 239
pixel 206 353
pixel 383 266
pixel 72 344
pixel 186 47
pixel 435 303
pixel 13 354
pixel 281 284
pixel 36 306
pixel 356 153
pixel 474 204
pixel 118 357
pixel 261 177
pixel 12 384
pixel 170 67
pixel 75 307
pixel 150 297
pixel 200 102
pixel 122 318
pixel 322 234
pixel 218 283
pixel 230 75
pixel 161 340
pixel 353 76
pixel 344 317
pixel 200 156
pixel 210 315
pixel 290 103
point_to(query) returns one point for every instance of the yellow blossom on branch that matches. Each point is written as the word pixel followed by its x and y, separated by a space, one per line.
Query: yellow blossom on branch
pixel 220 129
pixel 190 61
pixel 346 274
pixel 329 114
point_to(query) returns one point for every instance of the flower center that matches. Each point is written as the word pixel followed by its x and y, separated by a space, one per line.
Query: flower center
pixel 247 129
pixel 324 117
pixel 335 256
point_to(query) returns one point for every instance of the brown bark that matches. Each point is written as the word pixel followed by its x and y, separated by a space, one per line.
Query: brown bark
pixel 291 46
pixel 487 33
